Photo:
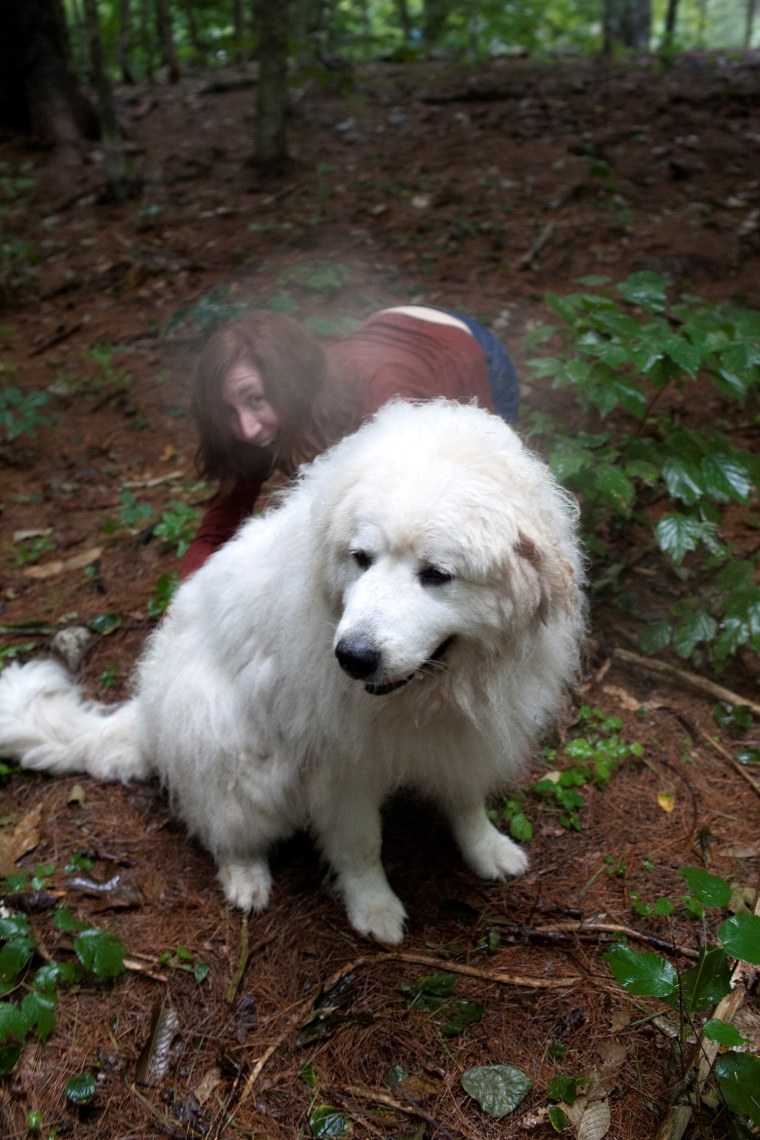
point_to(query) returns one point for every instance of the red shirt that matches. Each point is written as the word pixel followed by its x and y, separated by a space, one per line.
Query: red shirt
pixel 389 355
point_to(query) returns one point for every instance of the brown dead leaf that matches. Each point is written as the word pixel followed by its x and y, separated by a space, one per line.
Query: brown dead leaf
pixel 62 565
pixel 590 1115
pixel 19 840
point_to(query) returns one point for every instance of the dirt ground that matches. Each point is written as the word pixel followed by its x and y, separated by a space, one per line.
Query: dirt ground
pixel 474 189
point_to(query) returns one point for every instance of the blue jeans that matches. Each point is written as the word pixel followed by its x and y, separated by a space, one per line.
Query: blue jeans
pixel 505 387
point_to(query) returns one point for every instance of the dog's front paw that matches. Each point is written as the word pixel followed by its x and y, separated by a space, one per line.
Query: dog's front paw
pixel 380 917
pixel 246 886
pixel 495 856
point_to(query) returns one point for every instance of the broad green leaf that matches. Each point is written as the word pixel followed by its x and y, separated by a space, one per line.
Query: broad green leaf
pixel 705 984
pixel 642 972
pixel 725 477
pixel 15 955
pixel 104 624
pixel 498 1089
pixel 101 952
pixel 615 487
pixel 460 1013
pixel 709 889
pixel 80 1089
pixel 684 354
pixel 68 922
pixel 738 1076
pixel 12 1025
pixel 740 936
pixel 646 289
pixel 723 1033
pixel 326 1121
pixel 682 479
pixel 655 636
pixel 677 534
pixel 38 1013
pixel 558 1118
pixel 693 628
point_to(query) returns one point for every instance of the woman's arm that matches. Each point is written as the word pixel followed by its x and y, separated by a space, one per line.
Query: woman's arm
pixel 221 519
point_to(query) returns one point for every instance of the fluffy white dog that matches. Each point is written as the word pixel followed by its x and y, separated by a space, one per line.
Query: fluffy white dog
pixel 409 615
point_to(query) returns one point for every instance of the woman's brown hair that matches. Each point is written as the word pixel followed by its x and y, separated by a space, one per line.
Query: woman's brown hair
pixel 293 369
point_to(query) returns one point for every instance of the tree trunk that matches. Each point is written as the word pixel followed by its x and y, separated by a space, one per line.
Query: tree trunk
pixel 435 14
pixel 404 19
pixel 272 93
pixel 113 153
pixel 38 92
pixel 671 19
pixel 166 39
pixel 147 38
pixel 125 41
pixel 627 23
pixel 238 29
pixel 749 26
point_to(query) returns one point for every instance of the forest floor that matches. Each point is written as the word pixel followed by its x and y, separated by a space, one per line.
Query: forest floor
pixel 478 189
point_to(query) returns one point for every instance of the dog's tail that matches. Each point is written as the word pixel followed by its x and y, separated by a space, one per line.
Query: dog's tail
pixel 45 724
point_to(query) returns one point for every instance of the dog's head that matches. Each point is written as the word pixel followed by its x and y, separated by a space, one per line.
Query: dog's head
pixel 439 531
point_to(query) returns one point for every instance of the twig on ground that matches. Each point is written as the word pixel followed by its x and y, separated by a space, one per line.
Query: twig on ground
pixel 303 1008
pixel 683 678
pixel 408 1106
pixel 593 929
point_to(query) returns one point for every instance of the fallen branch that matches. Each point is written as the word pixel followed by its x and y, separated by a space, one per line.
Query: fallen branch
pixel 593 929
pixel 303 1008
pixel 683 678
pixel 407 1106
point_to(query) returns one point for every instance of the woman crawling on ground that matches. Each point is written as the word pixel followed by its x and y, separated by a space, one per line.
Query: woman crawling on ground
pixel 268 396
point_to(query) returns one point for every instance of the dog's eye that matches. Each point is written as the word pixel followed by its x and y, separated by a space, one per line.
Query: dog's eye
pixel 434 576
pixel 362 559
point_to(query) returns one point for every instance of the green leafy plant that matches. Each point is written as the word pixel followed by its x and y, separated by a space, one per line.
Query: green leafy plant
pixel 632 358
pixel 694 992
pixel 20 412
pixel 166 587
pixel 180 958
pixel 434 994
pixel 98 954
pixel 177 525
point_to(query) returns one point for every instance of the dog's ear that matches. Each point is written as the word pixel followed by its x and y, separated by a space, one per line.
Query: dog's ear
pixel 541 580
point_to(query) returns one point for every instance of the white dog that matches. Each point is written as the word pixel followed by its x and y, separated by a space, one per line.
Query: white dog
pixel 408 616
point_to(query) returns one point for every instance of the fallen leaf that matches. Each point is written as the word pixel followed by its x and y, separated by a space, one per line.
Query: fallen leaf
pixel 61 566
pixel 590 1115
pixel 667 801
pixel 19 840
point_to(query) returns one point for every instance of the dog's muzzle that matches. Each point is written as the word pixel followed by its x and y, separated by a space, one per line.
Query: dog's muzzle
pixel 361 659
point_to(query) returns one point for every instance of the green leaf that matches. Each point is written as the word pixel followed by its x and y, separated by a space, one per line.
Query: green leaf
pixel 38 1013
pixel 646 289
pixel 723 1033
pixel 686 355
pixel 740 936
pixel 104 624
pixel 677 534
pixel 738 1076
pixel 81 1088
pixel 498 1089
pixel 68 922
pixel 460 1013
pixel 725 477
pixel 642 972
pixel 705 984
pixel 558 1119
pixel 14 956
pixel 12 1024
pixel 682 479
pixel 326 1121
pixel 615 487
pixel 101 952
pixel 709 889
pixel 693 628
pixel 655 636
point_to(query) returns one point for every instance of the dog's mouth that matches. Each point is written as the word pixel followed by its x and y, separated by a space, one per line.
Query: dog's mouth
pixel 392 686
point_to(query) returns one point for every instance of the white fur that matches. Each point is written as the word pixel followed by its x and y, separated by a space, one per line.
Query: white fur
pixel 243 710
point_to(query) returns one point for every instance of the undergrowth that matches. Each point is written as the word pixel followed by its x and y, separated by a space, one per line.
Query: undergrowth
pixel 634 359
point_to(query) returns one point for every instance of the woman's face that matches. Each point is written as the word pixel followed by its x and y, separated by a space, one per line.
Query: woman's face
pixel 252 417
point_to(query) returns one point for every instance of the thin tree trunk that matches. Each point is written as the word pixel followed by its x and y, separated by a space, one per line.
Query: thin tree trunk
pixel 238 29
pixel 166 37
pixel 749 26
pixel 125 41
pixel 272 93
pixel 113 152
pixel 147 39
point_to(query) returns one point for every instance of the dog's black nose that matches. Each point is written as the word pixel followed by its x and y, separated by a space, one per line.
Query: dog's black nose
pixel 358 657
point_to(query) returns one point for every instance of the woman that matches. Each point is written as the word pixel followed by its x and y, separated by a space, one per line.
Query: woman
pixel 268 396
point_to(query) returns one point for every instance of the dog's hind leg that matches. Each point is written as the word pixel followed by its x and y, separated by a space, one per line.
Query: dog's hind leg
pixel 490 854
